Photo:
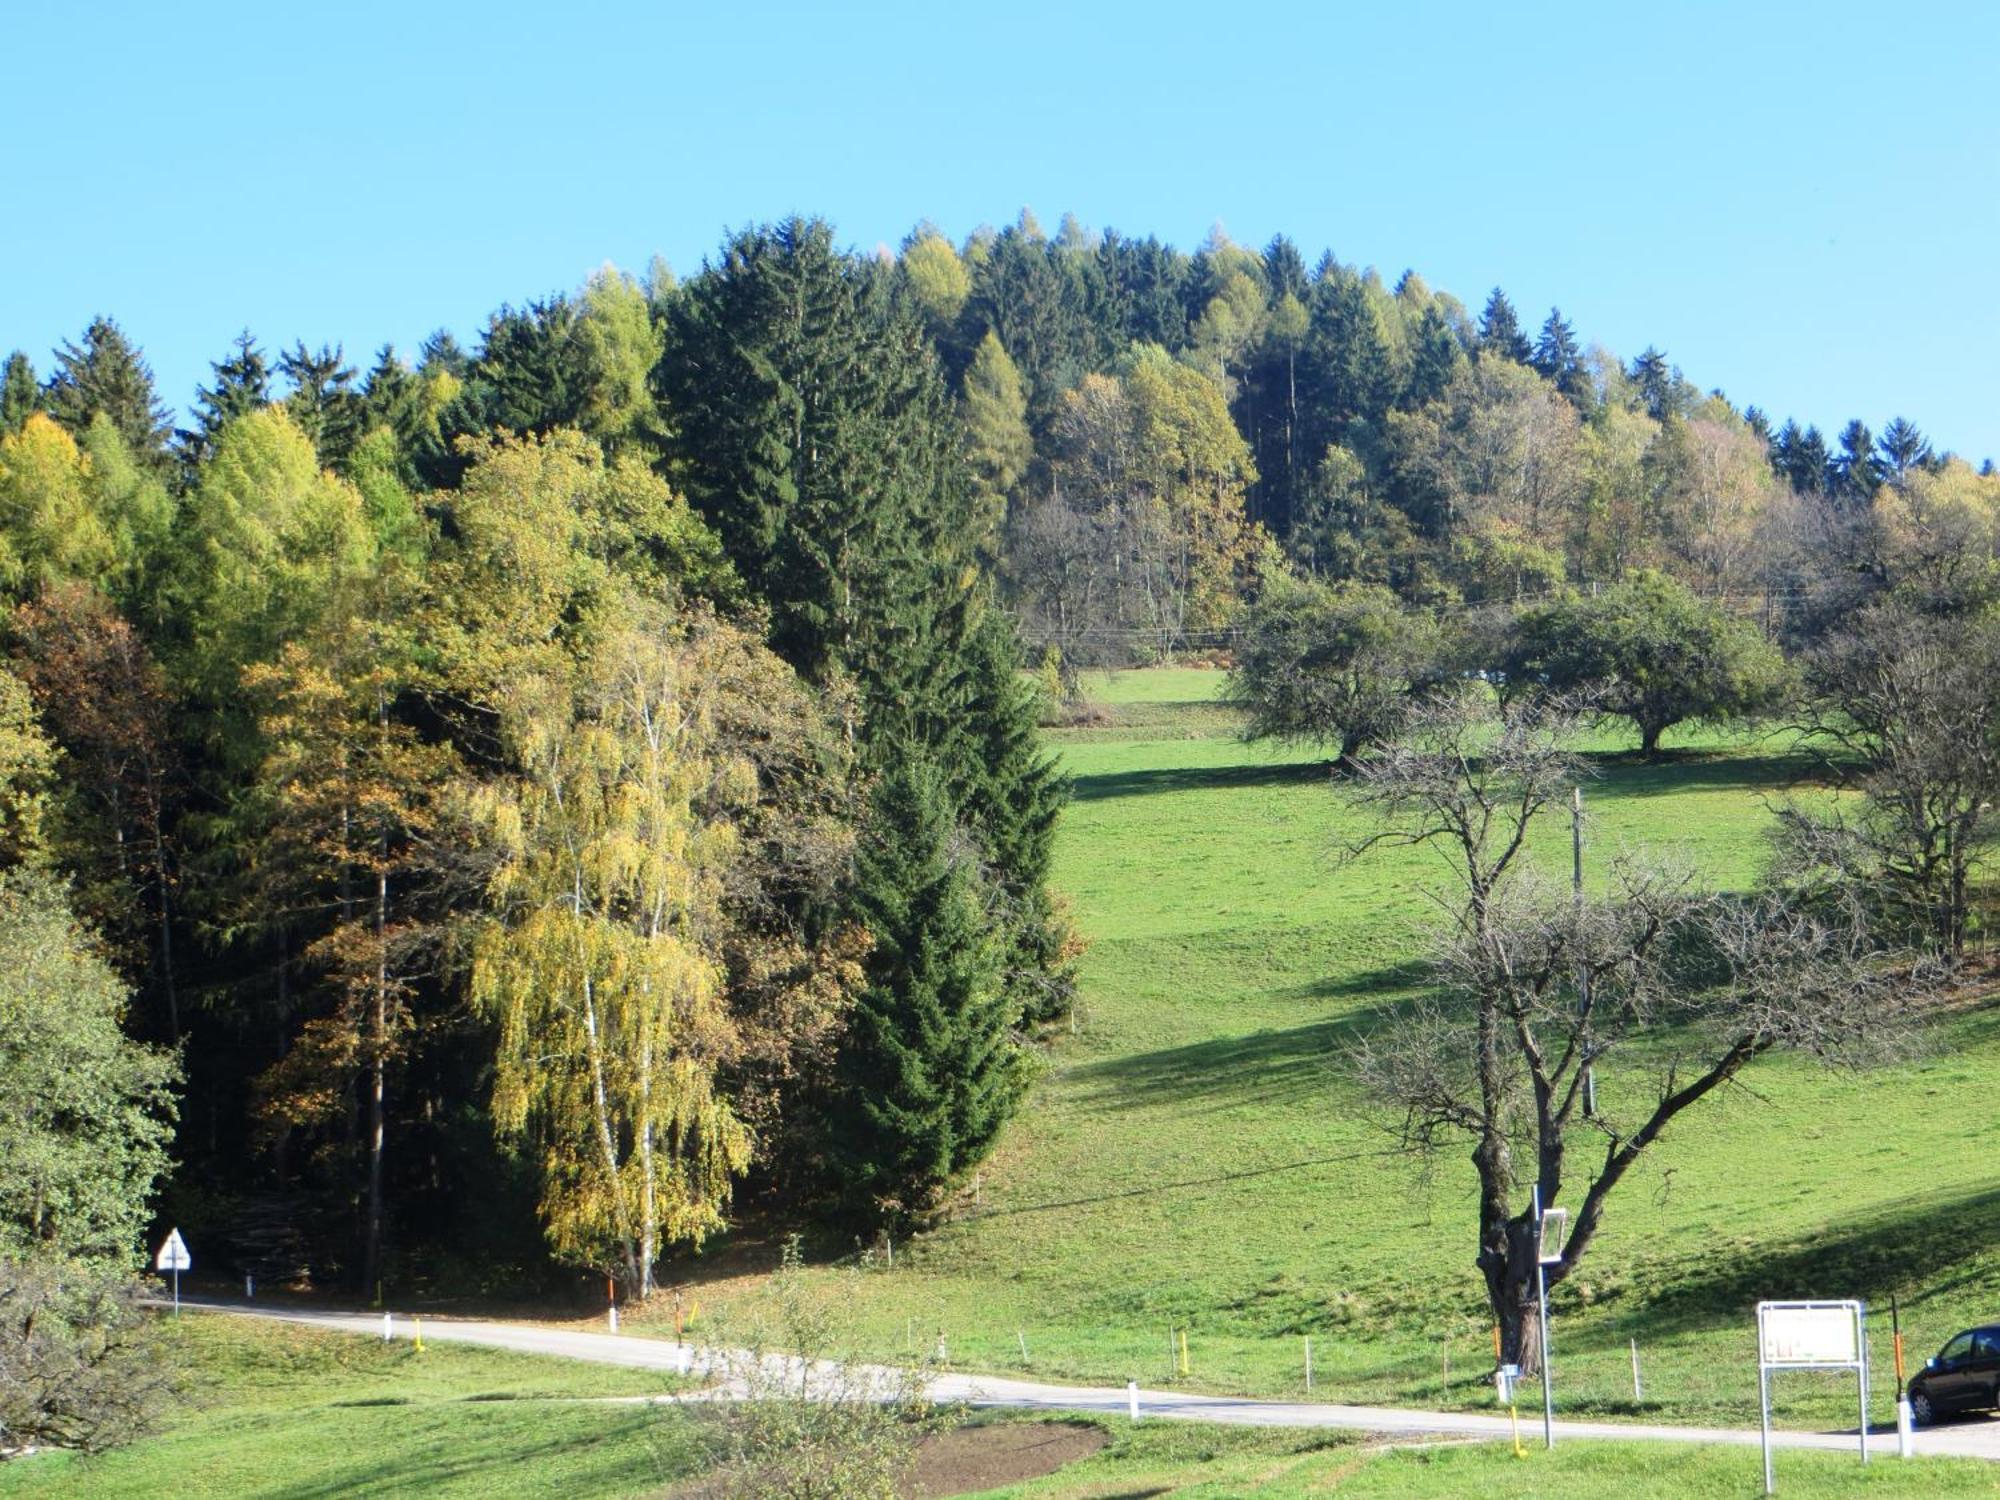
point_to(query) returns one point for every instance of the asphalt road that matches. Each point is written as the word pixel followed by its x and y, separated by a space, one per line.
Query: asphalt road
pixel 1972 1437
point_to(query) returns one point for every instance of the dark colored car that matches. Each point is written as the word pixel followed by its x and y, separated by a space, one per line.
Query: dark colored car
pixel 1964 1376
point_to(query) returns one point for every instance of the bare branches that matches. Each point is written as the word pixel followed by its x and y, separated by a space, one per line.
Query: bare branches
pixel 1539 982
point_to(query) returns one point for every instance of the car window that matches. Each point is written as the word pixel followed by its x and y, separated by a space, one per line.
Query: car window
pixel 1958 1348
pixel 1986 1344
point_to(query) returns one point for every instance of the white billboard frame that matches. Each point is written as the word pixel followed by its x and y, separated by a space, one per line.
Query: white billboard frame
pixel 1853 1314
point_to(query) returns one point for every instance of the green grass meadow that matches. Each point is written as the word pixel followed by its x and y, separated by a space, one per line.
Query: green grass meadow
pixel 278 1410
pixel 1191 1160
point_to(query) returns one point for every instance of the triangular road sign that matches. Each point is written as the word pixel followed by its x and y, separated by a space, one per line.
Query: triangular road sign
pixel 173 1254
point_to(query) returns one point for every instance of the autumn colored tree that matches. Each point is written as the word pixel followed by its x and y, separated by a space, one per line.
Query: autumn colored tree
pixel 108 705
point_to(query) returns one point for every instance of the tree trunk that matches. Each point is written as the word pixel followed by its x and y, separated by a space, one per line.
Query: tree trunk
pixel 378 1028
pixel 1511 1294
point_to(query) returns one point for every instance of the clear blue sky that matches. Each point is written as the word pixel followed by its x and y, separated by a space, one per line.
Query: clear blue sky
pixel 1796 201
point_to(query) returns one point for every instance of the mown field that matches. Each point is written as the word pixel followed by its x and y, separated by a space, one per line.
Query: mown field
pixel 274 1411
pixel 288 1413
pixel 1191 1158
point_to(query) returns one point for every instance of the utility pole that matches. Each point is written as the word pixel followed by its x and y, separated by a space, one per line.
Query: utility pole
pixel 1582 959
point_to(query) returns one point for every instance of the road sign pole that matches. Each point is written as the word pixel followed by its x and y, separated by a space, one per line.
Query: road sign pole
pixel 1542 1318
pixel 1764 1404
pixel 177 1291
pixel 1861 1344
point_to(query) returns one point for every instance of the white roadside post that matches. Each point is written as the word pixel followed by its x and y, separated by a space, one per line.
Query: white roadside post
pixel 174 1257
pixel 1132 1399
pixel 1809 1336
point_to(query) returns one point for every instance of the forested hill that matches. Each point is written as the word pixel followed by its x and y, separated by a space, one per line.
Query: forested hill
pixel 545 789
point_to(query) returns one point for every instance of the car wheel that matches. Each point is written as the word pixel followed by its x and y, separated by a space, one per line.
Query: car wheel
pixel 1921 1410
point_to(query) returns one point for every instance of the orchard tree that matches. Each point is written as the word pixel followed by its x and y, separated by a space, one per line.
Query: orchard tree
pixel 1650 651
pixel 1332 664
pixel 1540 990
pixel 1910 705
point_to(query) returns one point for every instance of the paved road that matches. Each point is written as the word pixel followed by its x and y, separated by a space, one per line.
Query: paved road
pixel 1974 1437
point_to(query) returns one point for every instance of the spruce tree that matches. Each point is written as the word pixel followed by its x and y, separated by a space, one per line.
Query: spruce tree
pixel 323 404
pixel 812 429
pixel 1856 475
pixel 1500 331
pixel 242 384
pixel 1903 448
pixel 1435 356
pixel 930 1070
pixel 1655 379
pixel 1558 359
pixel 19 394
pixel 106 373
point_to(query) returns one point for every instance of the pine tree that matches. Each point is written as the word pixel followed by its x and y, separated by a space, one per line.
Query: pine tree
pixel 323 404
pixel 1655 379
pixel 1856 475
pixel 1500 331
pixel 1558 359
pixel 1904 449
pixel 242 384
pixel 930 1070
pixel 1435 356
pixel 19 393
pixel 107 374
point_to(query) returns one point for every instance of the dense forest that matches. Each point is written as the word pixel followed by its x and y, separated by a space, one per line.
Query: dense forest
pixel 543 796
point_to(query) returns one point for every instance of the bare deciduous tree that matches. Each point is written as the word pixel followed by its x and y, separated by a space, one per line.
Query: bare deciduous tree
pixel 1910 706
pixel 1537 984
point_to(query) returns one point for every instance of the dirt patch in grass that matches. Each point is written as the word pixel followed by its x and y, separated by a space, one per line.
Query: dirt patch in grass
pixel 986 1456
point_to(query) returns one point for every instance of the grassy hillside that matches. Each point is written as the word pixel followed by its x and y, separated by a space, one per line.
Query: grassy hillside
pixel 1190 1160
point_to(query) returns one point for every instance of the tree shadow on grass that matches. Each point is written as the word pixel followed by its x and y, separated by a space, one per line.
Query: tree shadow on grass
pixel 1277 1065
pixel 1925 1252
pixel 1628 775
pixel 1197 778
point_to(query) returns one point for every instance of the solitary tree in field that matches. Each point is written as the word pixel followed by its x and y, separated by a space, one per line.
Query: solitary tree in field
pixel 1332 665
pixel 1651 651
pixel 1537 985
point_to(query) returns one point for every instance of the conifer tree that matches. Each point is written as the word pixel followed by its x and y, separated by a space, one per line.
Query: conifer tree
pixel 323 403
pixel 932 1071
pixel 105 373
pixel 1500 331
pixel 1904 449
pixel 1856 473
pixel 242 384
pixel 1655 379
pixel 997 442
pixel 1558 359
pixel 19 393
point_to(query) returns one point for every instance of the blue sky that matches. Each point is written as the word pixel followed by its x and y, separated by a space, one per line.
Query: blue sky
pixel 1797 202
